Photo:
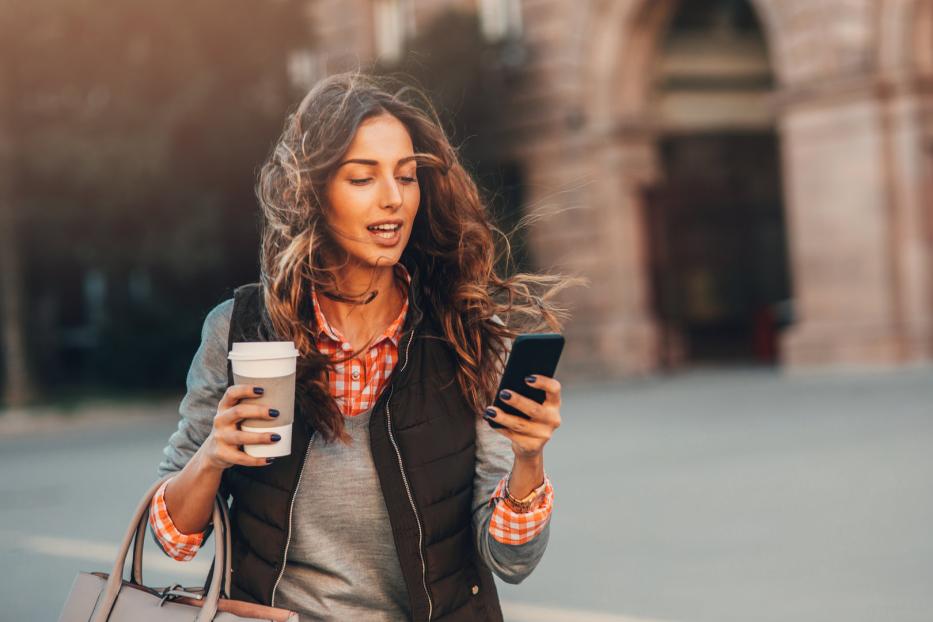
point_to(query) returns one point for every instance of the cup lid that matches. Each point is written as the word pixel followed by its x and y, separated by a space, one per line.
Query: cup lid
pixel 255 350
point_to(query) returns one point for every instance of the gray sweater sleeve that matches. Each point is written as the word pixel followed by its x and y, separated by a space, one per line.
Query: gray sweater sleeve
pixel 510 562
pixel 206 383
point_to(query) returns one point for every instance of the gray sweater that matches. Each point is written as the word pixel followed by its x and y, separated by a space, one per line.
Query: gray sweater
pixel 341 560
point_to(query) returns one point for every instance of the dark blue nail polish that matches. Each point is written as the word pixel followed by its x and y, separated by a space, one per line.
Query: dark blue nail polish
pixel 490 413
pixel 530 379
pixel 505 394
pixel 273 412
pixel 276 437
pixel 258 390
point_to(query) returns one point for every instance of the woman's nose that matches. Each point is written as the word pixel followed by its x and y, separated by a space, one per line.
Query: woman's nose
pixel 392 193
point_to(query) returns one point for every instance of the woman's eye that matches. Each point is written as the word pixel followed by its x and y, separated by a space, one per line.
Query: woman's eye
pixel 360 182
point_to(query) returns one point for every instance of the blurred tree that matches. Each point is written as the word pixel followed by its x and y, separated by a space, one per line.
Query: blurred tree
pixel 18 387
pixel 136 129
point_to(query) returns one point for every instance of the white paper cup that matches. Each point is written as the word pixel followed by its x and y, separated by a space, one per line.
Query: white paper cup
pixel 271 365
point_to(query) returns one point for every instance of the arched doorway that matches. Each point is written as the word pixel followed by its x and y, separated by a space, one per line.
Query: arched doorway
pixel 854 140
pixel 714 218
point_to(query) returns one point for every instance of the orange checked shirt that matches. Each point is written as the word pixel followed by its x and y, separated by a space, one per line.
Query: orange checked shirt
pixel 355 386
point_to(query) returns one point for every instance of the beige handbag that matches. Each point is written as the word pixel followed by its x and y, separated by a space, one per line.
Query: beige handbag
pixel 99 597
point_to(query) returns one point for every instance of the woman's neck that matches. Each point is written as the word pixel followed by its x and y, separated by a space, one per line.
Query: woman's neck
pixel 359 322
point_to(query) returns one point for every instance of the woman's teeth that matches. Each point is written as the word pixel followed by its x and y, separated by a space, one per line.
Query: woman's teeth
pixel 385 231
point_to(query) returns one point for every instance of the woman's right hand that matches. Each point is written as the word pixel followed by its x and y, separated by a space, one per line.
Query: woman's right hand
pixel 223 446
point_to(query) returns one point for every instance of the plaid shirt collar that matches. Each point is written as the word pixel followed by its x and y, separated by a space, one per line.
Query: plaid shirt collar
pixel 394 330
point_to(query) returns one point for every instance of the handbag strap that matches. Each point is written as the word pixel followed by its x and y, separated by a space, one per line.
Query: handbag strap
pixel 137 571
pixel 111 590
pixel 228 572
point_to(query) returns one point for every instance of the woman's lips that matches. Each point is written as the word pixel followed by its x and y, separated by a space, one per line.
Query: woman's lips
pixel 386 238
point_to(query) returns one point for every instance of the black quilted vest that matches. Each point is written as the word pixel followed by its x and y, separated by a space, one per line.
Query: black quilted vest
pixel 423 443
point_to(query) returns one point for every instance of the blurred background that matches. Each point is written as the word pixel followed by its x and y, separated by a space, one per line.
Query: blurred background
pixel 748 184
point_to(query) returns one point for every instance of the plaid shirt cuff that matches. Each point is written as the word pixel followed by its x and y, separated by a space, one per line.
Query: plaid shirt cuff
pixel 179 546
pixel 510 527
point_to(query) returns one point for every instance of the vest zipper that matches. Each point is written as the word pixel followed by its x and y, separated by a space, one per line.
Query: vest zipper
pixel 291 506
pixel 411 500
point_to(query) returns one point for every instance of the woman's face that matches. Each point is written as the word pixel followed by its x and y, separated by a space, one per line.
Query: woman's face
pixel 374 193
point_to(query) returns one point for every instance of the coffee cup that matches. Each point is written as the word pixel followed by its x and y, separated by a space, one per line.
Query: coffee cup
pixel 270 365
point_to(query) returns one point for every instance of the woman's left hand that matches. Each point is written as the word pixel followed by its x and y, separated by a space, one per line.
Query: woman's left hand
pixel 529 436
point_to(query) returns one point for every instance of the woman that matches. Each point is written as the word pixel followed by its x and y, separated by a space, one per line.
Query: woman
pixel 398 500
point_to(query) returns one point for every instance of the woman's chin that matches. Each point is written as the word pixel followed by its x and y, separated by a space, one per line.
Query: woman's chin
pixel 382 258
pixel 382 255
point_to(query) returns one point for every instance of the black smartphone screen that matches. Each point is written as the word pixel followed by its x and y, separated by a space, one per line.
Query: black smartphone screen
pixel 530 354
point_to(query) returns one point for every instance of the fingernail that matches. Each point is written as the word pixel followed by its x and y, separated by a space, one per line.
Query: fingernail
pixel 490 413
pixel 273 412
pixel 276 437
pixel 530 379
pixel 269 460
pixel 258 390
pixel 505 394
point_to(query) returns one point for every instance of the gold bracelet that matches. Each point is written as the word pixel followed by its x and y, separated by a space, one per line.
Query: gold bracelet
pixel 523 505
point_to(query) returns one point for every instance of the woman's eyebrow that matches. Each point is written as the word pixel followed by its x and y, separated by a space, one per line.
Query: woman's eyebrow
pixel 374 162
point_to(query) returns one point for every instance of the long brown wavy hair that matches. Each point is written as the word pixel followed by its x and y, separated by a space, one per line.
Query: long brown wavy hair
pixel 453 242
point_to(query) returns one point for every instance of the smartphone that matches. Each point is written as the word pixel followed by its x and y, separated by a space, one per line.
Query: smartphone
pixel 536 353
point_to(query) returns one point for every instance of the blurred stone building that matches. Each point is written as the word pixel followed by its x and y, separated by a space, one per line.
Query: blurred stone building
pixel 742 181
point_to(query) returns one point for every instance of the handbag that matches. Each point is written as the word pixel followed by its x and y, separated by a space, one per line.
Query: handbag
pixel 99 597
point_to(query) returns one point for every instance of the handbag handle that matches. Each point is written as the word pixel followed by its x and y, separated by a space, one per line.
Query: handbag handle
pixel 137 568
pixel 111 590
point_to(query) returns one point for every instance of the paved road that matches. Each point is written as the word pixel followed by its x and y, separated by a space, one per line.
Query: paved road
pixel 711 496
